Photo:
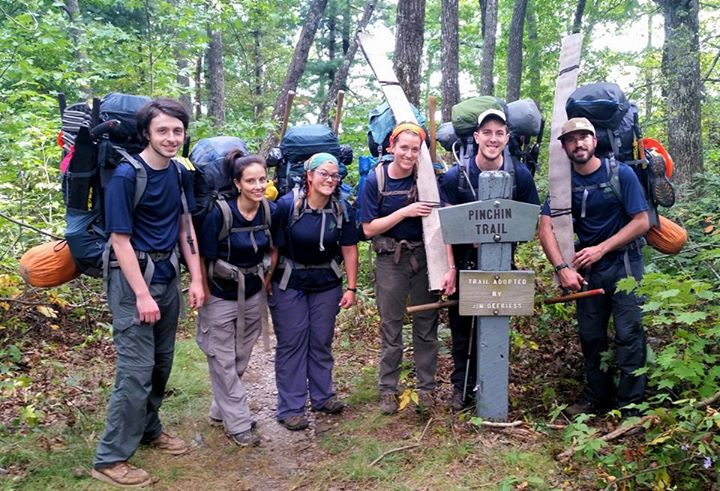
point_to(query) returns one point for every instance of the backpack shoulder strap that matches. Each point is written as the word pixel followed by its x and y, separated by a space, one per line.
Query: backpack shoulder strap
pixel 227 218
pixel 267 220
pixel 509 166
pixel 141 177
pixel 297 206
pixel 613 171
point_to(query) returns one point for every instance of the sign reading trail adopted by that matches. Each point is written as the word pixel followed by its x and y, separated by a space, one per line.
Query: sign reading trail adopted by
pixel 498 293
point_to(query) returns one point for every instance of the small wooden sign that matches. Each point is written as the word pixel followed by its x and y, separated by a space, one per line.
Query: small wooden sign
pixel 489 221
pixel 496 293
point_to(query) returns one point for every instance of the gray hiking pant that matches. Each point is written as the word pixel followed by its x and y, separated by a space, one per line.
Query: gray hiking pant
pixel 144 360
pixel 394 282
pixel 217 335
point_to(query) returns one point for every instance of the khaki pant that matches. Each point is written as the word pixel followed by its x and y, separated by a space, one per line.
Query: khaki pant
pixel 216 336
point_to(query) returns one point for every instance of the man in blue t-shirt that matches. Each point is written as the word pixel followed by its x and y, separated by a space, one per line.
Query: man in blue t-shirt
pixel 609 226
pixel 459 185
pixel 143 290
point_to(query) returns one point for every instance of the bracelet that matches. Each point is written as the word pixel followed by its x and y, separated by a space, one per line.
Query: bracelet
pixel 561 266
pixel 354 290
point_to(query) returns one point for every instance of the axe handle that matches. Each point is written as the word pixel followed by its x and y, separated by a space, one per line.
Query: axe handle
pixel 574 296
pixel 432 107
pixel 411 309
pixel 286 115
pixel 338 110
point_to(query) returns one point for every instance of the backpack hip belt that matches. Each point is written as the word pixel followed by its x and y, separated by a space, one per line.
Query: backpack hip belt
pixel 289 265
pixel 387 245
pixel 225 270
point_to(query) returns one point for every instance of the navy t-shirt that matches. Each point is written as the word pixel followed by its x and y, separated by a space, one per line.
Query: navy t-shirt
pixel 372 208
pixel 605 214
pixel 450 194
pixel 236 248
pixel 154 225
pixel 300 243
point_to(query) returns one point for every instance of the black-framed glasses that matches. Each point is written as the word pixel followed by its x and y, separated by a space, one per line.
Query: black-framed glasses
pixel 323 174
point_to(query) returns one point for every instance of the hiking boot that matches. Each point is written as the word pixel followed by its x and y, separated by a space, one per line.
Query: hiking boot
pixel 458 402
pixel 295 423
pixel 426 401
pixel 388 404
pixel 662 190
pixel 331 406
pixel 123 475
pixel 247 438
pixel 169 444
pixel 583 406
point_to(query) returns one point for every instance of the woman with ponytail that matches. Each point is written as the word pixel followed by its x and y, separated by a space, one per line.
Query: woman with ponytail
pixel 315 234
pixel 236 243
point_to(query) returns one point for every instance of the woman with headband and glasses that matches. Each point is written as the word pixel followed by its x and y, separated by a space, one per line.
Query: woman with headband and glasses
pixel 315 234
pixel 391 214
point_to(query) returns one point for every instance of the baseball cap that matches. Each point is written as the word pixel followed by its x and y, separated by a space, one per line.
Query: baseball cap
pixel 576 124
pixel 491 112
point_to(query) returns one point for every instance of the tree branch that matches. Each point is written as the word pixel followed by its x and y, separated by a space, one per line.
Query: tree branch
pixel 25 225
pixel 400 449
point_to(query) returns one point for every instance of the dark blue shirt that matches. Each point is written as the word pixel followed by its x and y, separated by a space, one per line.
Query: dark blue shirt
pixel 372 206
pixel 300 242
pixel 236 248
pixel 605 213
pixel 455 190
pixel 154 225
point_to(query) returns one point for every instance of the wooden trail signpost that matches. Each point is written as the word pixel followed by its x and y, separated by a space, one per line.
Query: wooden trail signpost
pixel 426 182
pixel 494 292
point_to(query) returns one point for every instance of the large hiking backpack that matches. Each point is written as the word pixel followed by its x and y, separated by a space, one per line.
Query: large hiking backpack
pixel 95 140
pixel 300 143
pixel 381 122
pixel 619 136
pixel 525 123
pixel 211 178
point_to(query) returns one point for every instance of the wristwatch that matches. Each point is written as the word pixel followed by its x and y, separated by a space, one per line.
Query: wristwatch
pixel 561 266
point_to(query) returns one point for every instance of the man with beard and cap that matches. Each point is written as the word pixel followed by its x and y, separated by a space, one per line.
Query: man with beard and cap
pixel 609 227
pixel 459 186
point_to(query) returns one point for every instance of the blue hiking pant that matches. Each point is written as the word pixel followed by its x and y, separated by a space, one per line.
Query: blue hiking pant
pixel 144 361
pixel 304 324
pixel 593 318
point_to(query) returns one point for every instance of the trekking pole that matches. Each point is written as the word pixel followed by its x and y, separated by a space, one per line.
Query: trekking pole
pixel 286 115
pixel 338 110
pixel 467 363
pixel 432 107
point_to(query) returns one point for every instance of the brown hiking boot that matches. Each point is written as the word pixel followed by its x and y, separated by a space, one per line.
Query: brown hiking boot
pixel 169 444
pixel 295 423
pixel 458 402
pixel 123 475
pixel 388 404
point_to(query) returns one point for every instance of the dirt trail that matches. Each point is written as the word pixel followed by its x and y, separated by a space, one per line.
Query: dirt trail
pixel 281 460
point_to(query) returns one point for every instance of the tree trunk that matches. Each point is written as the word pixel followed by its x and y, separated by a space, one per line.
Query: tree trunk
pixel 198 87
pixel 483 13
pixel 182 77
pixel 449 85
pixel 347 22
pixel 649 79
pixel 487 84
pixel 577 20
pixel 410 22
pixel 297 64
pixel 73 11
pixel 258 73
pixel 332 45
pixel 681 72
pixel 339 82
pixel 216 79
pixel 533 56
pixel 515 51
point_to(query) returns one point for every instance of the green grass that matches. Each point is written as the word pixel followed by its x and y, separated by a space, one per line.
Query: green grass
pixel 60 457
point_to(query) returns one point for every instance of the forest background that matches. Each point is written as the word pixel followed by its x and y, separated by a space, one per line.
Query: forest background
pixel 232 64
